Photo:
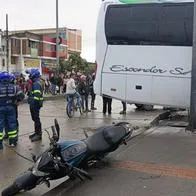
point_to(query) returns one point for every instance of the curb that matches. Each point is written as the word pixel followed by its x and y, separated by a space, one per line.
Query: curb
pixel 155 122
pixel 161 116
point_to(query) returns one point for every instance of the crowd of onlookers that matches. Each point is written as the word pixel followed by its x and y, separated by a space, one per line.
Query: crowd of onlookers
pixel 56 84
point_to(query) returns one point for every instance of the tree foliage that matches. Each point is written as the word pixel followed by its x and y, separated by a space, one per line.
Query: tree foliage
pixel 74 63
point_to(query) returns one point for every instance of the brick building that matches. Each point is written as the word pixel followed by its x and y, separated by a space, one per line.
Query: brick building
pixel 37 48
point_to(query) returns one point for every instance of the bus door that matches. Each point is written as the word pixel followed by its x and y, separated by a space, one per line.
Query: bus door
pixel 113 80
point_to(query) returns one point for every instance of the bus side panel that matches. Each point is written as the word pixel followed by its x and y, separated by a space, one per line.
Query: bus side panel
pixel 153 72
pixel 139 89
pixel 171 91
pixel 101 47
pixel 114 85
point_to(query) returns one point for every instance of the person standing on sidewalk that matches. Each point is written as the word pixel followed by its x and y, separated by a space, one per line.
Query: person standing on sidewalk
pixel 107 104
pixel 35 101
pixel 9 95
pixel 83 90
pixel 124 107
pixel 93 95
pixel 53 81
pixel 6 136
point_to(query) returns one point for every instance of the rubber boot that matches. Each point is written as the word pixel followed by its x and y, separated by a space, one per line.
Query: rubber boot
pixel 12 142
pixel 1 146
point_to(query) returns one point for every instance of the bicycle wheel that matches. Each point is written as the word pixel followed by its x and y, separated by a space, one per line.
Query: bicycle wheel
pixel 69 110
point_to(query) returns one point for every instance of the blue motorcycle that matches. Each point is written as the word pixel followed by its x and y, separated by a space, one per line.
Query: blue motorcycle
pixel 70 157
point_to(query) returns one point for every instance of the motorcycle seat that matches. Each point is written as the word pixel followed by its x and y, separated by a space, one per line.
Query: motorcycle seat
pixel 105 138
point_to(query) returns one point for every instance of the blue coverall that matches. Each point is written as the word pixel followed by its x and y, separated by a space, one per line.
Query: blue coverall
pixel 9 95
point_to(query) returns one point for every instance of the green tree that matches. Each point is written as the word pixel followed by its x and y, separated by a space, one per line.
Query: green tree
pixel 75 62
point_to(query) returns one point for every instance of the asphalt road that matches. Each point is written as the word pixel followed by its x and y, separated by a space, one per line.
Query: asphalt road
pixel 160 162
pixel 13 163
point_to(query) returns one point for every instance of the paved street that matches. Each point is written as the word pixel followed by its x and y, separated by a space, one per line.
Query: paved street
pixel 160 162
pixel 11 164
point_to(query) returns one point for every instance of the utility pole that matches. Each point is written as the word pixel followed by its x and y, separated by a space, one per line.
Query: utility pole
pixel 57 36
pixel 7 43
pixel 192 120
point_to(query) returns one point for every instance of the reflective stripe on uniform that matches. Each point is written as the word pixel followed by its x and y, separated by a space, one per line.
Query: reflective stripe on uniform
pixel 37 91
pixel 39 99
pixel 10 95
pixel 12 134
pixel 36 98
pixel 1 136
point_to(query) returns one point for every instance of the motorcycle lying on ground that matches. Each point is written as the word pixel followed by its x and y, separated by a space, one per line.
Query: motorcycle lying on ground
pixel 70 157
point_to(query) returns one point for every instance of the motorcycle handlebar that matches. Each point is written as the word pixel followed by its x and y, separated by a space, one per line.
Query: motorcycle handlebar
pixel 54 133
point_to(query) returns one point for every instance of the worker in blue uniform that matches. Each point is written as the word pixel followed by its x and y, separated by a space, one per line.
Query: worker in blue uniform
pixel 12 80
pixel 9 95
pixel 35 101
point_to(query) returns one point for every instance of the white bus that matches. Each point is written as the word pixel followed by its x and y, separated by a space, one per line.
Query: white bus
pixel 144 52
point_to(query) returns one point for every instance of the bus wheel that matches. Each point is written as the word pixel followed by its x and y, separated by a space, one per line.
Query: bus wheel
pixel 139 106
pixel 148 107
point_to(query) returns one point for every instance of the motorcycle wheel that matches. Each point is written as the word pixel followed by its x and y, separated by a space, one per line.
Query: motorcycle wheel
pixel 23 183
pixel 11 190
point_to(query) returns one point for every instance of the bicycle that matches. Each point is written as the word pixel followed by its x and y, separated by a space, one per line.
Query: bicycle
pixel 73 105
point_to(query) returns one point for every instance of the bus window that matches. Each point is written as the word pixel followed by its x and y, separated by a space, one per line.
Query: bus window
pixel 153 24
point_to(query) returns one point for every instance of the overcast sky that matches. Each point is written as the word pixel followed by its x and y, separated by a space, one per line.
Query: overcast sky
pixel 80 14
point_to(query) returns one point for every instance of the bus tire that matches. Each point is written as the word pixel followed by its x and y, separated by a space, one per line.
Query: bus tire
pixel 139 106
pixel 148 107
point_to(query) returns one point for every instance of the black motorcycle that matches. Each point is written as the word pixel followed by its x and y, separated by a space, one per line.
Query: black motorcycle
pixel 70 157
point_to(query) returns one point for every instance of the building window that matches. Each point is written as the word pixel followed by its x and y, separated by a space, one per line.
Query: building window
pixel 62 48
pixel 33 44
pixel 13 60
pixel 49 47
pixel 3 62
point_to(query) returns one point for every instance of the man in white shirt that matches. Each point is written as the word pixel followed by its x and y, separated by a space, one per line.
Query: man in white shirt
pixel 71 86
pixel 71 89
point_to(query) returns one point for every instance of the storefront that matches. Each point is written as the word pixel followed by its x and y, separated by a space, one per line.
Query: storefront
pixel 48 67
pixel 32 63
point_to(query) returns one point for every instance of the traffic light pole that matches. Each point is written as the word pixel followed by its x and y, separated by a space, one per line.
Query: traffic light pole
pixel 7 44
pixel 57 36
pixel 192 120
